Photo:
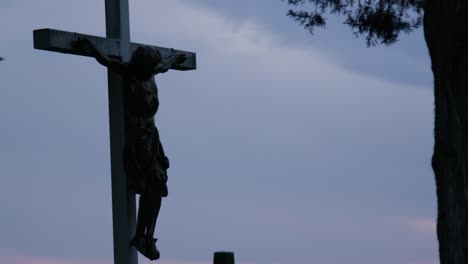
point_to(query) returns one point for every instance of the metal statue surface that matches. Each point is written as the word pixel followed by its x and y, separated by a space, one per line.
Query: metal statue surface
pixel 144 159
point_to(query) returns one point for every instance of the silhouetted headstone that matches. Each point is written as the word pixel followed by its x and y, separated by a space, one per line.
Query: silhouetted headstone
pixel 116 50
pixel 223 257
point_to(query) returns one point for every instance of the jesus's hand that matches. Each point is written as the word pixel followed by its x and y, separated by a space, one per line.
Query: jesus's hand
pixel 180 58
pixel 84 45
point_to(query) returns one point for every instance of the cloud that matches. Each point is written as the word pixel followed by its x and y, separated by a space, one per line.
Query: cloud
pixel 244 42
pixel 420 225
pixel 247 39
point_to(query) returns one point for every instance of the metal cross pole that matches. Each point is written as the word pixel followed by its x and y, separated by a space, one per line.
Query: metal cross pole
pixel 117 45
pixel 123 202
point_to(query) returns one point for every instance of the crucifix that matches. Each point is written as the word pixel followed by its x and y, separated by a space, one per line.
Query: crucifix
pixel 131 67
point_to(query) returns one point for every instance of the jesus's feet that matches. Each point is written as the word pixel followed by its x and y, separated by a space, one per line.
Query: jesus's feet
pixel 146 246
pixel 152 251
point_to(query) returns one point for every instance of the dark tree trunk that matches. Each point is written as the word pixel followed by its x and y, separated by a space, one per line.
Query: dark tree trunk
pixel 446 33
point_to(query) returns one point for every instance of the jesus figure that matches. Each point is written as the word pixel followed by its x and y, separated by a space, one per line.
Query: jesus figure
pixel 144 159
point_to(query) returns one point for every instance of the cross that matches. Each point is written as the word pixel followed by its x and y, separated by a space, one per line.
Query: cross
pixel 116 44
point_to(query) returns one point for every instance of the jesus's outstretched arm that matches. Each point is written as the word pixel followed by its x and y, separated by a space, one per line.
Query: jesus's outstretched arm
pixel 115 65
pixel 174 59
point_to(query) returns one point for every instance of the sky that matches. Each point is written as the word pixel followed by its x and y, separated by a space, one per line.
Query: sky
pixel 284 147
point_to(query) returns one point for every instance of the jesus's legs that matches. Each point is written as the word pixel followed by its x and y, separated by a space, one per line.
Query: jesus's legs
pixel 143 216
pixel 155 207
pixel 154 197
pixel 148 211
pixel 139 241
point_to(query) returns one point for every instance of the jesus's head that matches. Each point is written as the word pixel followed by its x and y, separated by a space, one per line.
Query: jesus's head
pixel 144 59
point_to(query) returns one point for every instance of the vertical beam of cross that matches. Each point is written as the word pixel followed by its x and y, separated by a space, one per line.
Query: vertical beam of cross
pixel 123 202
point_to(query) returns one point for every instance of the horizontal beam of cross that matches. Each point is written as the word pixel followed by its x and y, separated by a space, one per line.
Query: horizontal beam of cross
pixel 62 41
